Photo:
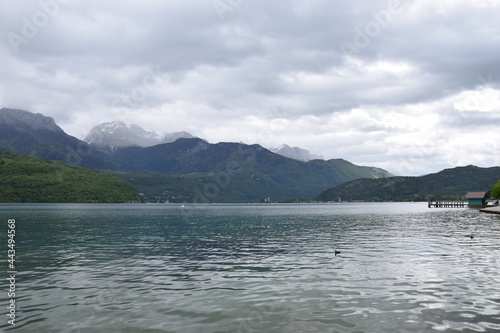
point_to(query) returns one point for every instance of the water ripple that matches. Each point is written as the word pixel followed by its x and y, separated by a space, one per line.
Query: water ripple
pixel 254 268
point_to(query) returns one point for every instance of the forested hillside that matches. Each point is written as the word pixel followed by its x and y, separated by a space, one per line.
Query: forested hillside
pixel 447 184
pixel 30 179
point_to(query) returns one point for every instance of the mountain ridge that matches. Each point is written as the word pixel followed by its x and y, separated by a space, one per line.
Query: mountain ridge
pixel 449 183
pixel 39 136
pixel 115 134
pixel 249 167
pixel 17 117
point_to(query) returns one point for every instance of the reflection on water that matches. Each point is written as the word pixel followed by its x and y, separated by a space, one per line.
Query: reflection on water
pixel 255 268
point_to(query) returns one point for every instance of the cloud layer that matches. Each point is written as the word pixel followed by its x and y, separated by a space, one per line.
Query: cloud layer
pixel 410 86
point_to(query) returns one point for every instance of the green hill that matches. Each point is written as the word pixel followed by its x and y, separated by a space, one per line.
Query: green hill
pixel 446 184
pixel 30 179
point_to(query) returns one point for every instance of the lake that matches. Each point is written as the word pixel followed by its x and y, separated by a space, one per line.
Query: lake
pixel 403 267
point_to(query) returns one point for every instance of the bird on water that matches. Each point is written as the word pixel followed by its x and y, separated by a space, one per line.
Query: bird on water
pixel 337 252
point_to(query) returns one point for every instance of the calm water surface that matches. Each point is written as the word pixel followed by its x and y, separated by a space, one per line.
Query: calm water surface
pixel 253 268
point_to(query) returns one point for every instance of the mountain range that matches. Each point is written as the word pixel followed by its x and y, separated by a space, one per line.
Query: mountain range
pixel 119 134
pixel 188 169
pixel 237 172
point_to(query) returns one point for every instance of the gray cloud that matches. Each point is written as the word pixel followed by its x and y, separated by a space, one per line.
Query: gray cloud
pixel 373 82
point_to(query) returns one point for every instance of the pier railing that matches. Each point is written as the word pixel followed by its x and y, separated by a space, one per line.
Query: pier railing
pixel 447 203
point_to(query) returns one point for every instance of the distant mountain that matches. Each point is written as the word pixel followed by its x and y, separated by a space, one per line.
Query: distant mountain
pixel 238 172
pixel 447 184
pixel 30 179
pixel 118 134
pixel 188 169
pixel 37 135
pixel 296 153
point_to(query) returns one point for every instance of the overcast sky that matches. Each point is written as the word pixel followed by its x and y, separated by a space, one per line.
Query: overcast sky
pixel 409 86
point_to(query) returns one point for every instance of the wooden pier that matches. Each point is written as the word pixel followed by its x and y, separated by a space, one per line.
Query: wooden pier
pixel 447 204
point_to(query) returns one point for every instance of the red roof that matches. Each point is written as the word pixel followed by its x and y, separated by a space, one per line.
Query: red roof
pixel 475 195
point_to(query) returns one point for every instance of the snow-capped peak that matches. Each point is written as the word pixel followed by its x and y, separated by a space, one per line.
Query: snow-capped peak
pixel 120 134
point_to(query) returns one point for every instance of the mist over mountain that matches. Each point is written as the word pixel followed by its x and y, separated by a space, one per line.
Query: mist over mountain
pixel 296 153
pixel 120 134
pixel 24 119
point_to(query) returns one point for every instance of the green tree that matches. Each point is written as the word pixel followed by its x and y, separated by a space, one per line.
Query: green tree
pixel 495 191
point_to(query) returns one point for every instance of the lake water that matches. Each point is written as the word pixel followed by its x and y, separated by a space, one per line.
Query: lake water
pixel 252 268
